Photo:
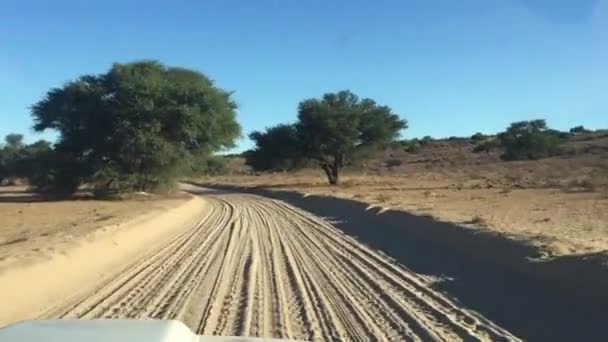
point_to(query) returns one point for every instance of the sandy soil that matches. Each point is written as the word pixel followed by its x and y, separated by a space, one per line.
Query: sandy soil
pixel 560 222
pixel 29 289
pixel 34 229
pixel 260 267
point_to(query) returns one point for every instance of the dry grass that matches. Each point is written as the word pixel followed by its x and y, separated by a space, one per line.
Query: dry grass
pixel 560 203
pixel 562 222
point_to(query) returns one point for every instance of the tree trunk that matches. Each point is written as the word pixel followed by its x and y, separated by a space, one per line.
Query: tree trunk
pixel 328 172
pixel 333 173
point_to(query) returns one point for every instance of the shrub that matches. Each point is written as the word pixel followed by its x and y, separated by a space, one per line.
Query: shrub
pixel 413 147
pixel 215 166
pixel 389 163
pixel 478 136
pixel 559 134
pixel 426 140
pixel 486 146
pixel 578 130
pixel 529 140
pixel 477 220
pixel 21 161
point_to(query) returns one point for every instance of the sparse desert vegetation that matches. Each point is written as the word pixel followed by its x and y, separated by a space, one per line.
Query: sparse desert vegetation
pixel 304 170
pixel 558 202
pixel 137 127
pixel 331 132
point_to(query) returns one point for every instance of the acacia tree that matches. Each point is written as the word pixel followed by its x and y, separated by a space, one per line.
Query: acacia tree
pixel 339 127
pixel 529 140
pixel 136 127
pixel 332 131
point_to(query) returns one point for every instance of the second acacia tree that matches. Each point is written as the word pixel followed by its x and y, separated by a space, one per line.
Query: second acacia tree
pixel 335 129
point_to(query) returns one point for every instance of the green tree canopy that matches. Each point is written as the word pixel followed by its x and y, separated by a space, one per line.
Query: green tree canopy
pixel 339 127
pixel 10 154
pixel 478 137
pixel 18 160
pixel 529 140
pixel 332 131
pixel 13 141
pixel 578 130
pixel 136 127
pixel 277 149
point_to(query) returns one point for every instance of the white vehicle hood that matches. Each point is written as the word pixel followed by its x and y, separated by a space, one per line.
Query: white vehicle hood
pixel 107 330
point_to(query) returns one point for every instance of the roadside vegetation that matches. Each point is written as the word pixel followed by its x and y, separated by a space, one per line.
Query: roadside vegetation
pixel 19 161
pixel 529 182
pixel 525 140
pixel 138 127
pixel 527 154
pixel 331 132
pixel 142 126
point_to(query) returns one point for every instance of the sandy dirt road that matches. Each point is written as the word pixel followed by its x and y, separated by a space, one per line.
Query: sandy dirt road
pixel 260 267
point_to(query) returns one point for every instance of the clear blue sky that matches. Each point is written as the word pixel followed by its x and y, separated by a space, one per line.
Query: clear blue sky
pixel 449 67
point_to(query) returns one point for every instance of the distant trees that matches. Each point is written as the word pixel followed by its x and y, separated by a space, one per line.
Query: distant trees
pixel 277 149
pixel 412 146
pixel 331 131
pixel 18 160
pixel 10 156
pixel 578 130
pixel 142 125
pixel 13 142
pixel 426 140
pixel 478 137
pixel 211 165
pixel 530 140
pixel 137 127
pixel 487 146
pixel 524 140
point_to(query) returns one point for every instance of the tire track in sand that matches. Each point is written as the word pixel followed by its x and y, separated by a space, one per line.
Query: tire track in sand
pixel 260 267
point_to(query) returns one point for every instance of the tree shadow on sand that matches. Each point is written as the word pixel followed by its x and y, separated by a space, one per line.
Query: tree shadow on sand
pixel 562 299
